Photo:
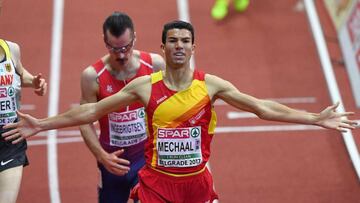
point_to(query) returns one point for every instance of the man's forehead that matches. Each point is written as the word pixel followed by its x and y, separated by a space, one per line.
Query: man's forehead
pixel 179 33
pixel 127 33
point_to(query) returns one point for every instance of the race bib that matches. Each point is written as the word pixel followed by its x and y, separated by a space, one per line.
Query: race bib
pixel 127 128
pixel 179 147
pixel 7 105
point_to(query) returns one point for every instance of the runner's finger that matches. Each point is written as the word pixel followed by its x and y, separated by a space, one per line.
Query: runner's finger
pixel 17 140
pixel 10 125
pixel 118 152
pixel 12 136
pixel 10 132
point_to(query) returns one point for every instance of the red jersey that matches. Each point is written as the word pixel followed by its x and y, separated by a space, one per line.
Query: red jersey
pixel 179 142
pixel 126 127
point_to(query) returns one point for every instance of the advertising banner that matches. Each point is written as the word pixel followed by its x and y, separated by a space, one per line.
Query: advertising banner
pixel 339 10
pixel 349 37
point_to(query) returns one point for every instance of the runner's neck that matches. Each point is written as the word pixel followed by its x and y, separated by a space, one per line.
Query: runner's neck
pixel 125 72
pixel 178 79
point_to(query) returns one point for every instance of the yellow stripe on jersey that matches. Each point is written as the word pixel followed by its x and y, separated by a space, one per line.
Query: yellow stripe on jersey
pixel 180 105
pixel 212 124
pixel 6 48
pixel 155 77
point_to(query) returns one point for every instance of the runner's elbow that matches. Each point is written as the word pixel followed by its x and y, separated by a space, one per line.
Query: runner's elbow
pixel 88 113
pixel 265 111
pixel 93 115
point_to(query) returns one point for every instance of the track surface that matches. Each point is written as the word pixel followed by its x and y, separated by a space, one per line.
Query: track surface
pixel 268 52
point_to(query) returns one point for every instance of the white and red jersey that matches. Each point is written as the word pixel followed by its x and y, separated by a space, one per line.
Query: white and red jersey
pixel 126 127
pixel 10 86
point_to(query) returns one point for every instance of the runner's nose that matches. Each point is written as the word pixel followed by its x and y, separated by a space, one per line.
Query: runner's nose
pixel 121 55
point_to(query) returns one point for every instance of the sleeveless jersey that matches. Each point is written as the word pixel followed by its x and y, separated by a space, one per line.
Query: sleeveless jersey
pixel 181 125
pixel 125 128
pixel 10 85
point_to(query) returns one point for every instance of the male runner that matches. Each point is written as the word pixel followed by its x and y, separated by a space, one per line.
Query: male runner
pixel 122 132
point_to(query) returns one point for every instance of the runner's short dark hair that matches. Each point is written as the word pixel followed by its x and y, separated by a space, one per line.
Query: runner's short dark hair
pixel 177 24
pixel 117 23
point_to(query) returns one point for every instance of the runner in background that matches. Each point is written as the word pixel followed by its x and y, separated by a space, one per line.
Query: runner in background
pixel 13 76
pixel 120 147
pixel 220 8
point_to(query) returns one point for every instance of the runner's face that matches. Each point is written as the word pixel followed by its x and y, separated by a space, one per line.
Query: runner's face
pixel 120 48
pixel 178 47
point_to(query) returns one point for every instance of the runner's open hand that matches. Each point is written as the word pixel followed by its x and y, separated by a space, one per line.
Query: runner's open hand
pixel 331 119
pixel 114 164
pixel 26 126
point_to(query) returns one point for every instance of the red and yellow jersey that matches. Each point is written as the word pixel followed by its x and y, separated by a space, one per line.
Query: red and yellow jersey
pixel 126 127
pixel 181 125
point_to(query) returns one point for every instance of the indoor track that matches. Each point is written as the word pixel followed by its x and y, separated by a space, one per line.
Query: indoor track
pixel 268 52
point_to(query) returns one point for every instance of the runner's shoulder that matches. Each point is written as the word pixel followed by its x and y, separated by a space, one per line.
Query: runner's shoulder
pixel 142 80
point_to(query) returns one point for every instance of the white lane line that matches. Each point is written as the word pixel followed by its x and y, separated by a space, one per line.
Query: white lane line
pixel 65 133
pixel 56 46
pixel 27 107
pixel 294 100
pixel 59 141
pixel 237 115
pixel 269 128
pixel 184 15
pixel 183 10
pixel 265 128
pixel 285 100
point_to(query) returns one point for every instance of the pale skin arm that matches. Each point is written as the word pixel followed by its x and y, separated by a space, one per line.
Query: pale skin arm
pixel 157 62
pixel 136 90
pixel 111 161
pixel 27 79
pixel 270 110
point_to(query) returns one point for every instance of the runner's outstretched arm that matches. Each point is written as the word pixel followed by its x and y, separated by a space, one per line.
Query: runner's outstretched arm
pixel 270 110
pixel 83 114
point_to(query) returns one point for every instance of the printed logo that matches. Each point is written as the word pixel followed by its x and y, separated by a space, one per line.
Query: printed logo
pixel 6 80
pixel 197 117
pixel 3 163
pixel 11 91
pixel 161 99
pixel 3 92
pixel 195 132
pixel 141 113
pixel 8 67
pixel 174 133
pixel 123 117
pixel 109 88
